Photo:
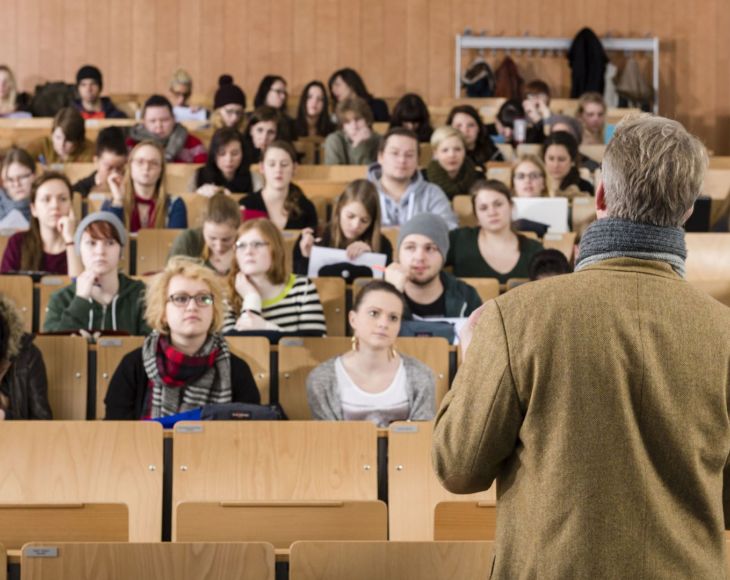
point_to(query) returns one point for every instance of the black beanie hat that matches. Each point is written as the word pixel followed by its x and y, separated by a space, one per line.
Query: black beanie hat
pixel 228 93
pixel 89 72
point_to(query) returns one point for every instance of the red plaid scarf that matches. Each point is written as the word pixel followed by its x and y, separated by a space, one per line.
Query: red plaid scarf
pixel 178 369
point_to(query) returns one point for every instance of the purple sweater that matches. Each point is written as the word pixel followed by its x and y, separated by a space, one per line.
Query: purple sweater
pixel 52 263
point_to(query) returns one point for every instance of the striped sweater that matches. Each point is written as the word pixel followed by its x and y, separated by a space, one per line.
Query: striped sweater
pixel 296 309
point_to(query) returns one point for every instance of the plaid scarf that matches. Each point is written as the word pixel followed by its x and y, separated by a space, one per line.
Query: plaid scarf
pixel 178 382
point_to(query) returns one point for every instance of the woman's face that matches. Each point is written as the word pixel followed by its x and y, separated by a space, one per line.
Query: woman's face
pixel 263 134
pixel 277 95
pixel 341 90
pixel 52 201
pixel 253 253
pixel 179 95
pixel 18 180
pixel 99 256
pixel 557 161
pixel 468 127
pixel 146 166
pixel 231 114
pixel 593 117
pixel 192 320
pixel 61 146
pixel 493 211
pixel 450 154
pixel 354 220
pixel 277 168
pixel 220 238
pixel 229 157
pixel 315 101
pixel 377 321
pixel 159 121
pixel 528 180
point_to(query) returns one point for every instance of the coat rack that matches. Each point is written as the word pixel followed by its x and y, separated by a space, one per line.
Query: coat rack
pixel 534 43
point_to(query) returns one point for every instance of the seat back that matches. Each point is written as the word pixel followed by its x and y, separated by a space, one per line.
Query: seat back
pixel 390 560
pixel 413 488
pixel 153 248
pixel 66 360
pixel 463 210
pixel 465 520
pixel 77 522
pixel 179 177
pixel 53 462
pixel 48 285
pixel 109 353
pixel 161 561
pixel 707 260
pixel 564 242
pixel 235 461
pixel 256 352
pixel 299 356
pixel 281 523
pixel 488 288
pixel 20 290
pixel 332 296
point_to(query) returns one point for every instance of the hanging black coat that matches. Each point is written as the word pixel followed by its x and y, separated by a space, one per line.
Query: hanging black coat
pixel 588 62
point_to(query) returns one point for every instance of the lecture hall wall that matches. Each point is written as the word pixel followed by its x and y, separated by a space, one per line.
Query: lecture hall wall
pixel 398 45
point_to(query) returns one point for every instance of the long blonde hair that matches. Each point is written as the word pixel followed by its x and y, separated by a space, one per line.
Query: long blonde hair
pixel 160 196
pixel 8 105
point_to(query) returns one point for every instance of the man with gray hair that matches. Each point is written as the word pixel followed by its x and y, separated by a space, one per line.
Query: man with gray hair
pixel 599 400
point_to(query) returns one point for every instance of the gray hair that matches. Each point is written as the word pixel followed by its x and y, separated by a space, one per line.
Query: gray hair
pixel 653 171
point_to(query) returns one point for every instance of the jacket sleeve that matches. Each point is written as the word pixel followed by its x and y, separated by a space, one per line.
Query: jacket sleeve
pixel 244 386
pixel 123 394
pixel 300 264
pixel 441 206
pixel 38 406
pixel 177 216
pixel 321 383
pixel 473 300
pixel 423 384
pixel 11 256
pixel 117 211
pixel 335 149
pixel 63 315
pixel 477 426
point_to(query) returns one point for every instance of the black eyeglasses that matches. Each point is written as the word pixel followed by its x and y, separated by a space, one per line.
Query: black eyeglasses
pixel 182 300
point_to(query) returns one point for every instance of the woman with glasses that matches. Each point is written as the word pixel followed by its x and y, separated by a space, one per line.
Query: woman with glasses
pixel 18 171
pixel 262 293
pixel 139 198
pixel 272 92
pixel 493 249
pixel 529 178
pixel 229 105
pixel 185 362
pixel 101 298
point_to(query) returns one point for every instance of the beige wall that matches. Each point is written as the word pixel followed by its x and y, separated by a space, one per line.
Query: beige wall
pixel 397 45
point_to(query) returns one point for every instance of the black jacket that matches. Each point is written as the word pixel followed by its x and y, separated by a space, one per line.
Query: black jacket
pixel 26 385
pixel 588 62
pixel 126 397
pixel 109 109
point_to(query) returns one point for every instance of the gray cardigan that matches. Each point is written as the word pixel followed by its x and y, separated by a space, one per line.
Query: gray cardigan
pixel 324 396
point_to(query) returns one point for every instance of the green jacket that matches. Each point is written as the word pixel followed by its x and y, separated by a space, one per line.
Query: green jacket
pixel 66 311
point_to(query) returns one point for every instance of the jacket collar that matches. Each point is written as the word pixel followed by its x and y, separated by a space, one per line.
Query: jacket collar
pixel 624 264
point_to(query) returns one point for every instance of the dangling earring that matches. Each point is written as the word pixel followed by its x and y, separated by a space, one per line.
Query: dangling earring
pixel 355 343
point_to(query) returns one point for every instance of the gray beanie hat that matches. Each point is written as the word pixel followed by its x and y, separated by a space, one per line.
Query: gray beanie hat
pixel 429 225
pixel 572 122
pixel 99 216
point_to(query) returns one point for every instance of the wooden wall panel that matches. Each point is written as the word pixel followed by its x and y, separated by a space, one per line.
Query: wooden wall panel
pixel 398 45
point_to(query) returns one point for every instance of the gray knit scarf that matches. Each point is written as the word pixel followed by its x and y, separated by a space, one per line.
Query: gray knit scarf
pixel 213 386
pixel 173 144
pixel 616 238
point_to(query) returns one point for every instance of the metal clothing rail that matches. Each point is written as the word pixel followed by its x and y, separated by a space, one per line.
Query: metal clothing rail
pixel 464 42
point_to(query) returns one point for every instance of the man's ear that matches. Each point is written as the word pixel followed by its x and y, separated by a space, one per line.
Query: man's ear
pixel 688 214
pixel 601 210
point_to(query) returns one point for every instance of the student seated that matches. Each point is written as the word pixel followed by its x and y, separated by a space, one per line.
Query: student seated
pixel 573 126
pixel 346 83
pixel 13 104
pixel 139 198
pixel 560 153
pixel 354 142
pixel 355 227
pixel 158 125
pixel 23 382
pixel 479 146
pixel 592 115
pixel 403 191
pixel 67 142
pixel 101 298
pixel 185 362
pixel 272 93
pixel 48 246
pixel 529 178
pixel 110 159
pixel 412 113
pixel 423 244
pixel 262 295
pixel 261 131
pixel 536 104
pixel 548 263
pixel 215 242
pixel 225 169
pixel 90 103
pixel 503 128
pixel 313 117
pixel 229 105
pixel 280 200
pixel 450 168
pixel 493 249
pixel 18 172
pixel 373 382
